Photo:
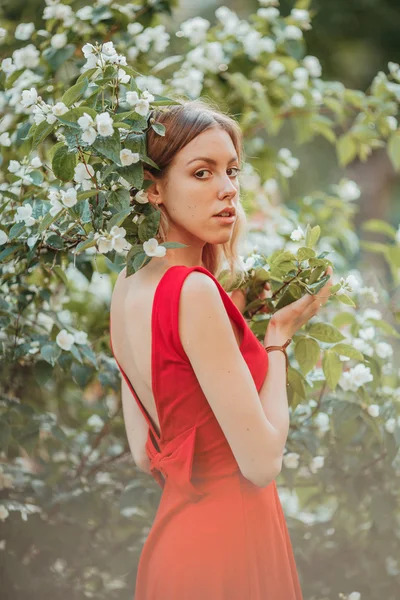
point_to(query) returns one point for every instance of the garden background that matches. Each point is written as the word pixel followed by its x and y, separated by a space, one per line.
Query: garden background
pixel 315 87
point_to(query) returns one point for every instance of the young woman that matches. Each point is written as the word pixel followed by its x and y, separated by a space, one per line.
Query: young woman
pixel 208 415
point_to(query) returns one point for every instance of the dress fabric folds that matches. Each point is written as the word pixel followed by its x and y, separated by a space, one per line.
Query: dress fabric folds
pixel 215 536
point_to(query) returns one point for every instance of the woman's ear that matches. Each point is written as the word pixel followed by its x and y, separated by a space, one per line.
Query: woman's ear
pixel 154 190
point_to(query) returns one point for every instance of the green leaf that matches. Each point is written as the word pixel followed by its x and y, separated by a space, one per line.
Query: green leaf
pixel 84 245
pixel 297 382
pixel 325 333
pixel 305 253
pixel 71 117
pixel 64 163
pixel 345 299
pixel 393 148
pixel 41 132
pixel 48 220
pixel 119 218
pixel 307 352
pixel 133 174
pixel 393 256
pixel 119 199
pixel 56 57
pixel 312 236
pixel 149 226
pixel 347 350
pixel 346 149
pixel 81 374
pixel 379 226
pixel 332 367
pixel 75 92
pixel 50 353
pixel 110 146
pixel 159 128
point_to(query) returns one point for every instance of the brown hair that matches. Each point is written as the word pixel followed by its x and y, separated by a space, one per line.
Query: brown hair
pixel 183 122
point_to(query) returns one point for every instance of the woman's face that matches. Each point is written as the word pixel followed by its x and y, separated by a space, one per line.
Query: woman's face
pixel 202 181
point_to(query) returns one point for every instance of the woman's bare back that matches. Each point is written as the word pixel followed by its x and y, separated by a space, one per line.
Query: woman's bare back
pixel 131 311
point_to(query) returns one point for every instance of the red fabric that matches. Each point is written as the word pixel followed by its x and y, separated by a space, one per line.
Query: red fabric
pixel 216 536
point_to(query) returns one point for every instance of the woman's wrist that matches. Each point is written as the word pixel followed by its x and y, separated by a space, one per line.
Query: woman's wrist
pixel 276 335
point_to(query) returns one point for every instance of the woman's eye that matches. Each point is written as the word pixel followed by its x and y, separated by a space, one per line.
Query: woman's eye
pixel 207 171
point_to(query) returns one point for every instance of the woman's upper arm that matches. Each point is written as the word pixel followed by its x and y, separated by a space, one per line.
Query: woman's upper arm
pixel 135 424
pixel 207 337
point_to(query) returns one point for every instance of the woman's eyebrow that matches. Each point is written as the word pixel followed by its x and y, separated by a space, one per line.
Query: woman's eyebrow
pixel 211 160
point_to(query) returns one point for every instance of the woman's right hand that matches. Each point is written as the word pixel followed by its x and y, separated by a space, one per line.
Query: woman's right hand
pixel 290 318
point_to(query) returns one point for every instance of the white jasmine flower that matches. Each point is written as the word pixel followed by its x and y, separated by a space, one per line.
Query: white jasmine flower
pixel 5 139
pixel 195 30
pixel 152 248
pixel 59 40
pixel 69 198
pixel 298 100
pixel 80 337
pixel 27 57
pixel 85 121
pixel 363 347
pixel 368 333
pixel 270 186
pixel 59 109
pixel 3 512
pixel 24 213
pixel 301 76
pixel 292 32
pixel 373 410
pixel 14 166
pixel 104 124
pixel 269 14
pixel 384 350
pixel 24 31
pixel 65 340
pixel 312 65
pixel 291 460
pixel 356 377
pixel 96 422
pixel 118 237
pixel 127 157
pixel 372 313
pixel 88 50
pixel 122 76
pixel 275 68
pixel 104 244
pixel 85 14
pixel 142 107
pixel 390 425
pixel 3 34
pixel 36 162
pixel 354 596
pixel 317 463
pixel 392 122
pixel 142 197
pixel 348 190
pixel 135 28
pixel 3 237
pixel 83 172
pixel 301 16
pixel 321 420
pixel 132 98
pixel 297 234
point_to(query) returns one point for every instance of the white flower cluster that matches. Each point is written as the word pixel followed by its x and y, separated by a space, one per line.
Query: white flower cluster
pixel 83 174
pixel 59 199
pixel 195 30
pixel 66 340
pixel 348 190
pixel 113 240
pixel 24 169
pixel 348 285
pixel 101 56
pixel 355 377
pixel 287 164
pixel 23 58
pixel 155 38
pixel 141 104
pixel 59 12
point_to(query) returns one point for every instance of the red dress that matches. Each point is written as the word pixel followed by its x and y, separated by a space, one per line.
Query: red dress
pixel 216 536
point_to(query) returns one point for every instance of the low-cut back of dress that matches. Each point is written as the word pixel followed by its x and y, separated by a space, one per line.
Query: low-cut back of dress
pixel 216 536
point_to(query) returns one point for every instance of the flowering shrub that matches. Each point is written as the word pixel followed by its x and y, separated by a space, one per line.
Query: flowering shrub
pixel 77 99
